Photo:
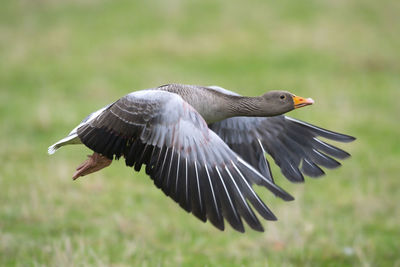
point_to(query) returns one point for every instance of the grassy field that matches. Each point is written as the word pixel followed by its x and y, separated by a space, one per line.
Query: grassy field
pixel 60 60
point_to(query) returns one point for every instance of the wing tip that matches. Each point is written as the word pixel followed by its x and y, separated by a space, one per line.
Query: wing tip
pixel 287 197
pixel 346 155
pixel 260 228
pixel 339 137
pixel 344 138
pixel 239 228
pixel 281 193
pixel 349 138
pixel 273 218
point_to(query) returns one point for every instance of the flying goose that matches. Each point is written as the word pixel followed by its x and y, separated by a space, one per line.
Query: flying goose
pixel 205 147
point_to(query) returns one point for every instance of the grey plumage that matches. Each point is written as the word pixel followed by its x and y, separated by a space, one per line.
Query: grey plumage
pixel 199 156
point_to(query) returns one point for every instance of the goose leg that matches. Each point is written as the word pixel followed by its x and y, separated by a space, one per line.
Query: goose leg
pixel 94 163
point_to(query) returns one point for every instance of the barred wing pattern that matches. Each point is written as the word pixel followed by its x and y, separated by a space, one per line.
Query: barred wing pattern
pixel 293 144
pixel 188 161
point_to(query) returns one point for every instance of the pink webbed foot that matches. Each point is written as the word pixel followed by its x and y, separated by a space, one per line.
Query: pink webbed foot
pixel 94 163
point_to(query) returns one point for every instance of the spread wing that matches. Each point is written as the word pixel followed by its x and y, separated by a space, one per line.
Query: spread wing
pixel 293 144
pixel 189 162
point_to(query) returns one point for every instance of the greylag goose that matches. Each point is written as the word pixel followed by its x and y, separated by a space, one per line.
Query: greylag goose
pixel 205 147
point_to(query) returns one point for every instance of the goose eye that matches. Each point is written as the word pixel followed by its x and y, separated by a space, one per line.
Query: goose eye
pixel 282 97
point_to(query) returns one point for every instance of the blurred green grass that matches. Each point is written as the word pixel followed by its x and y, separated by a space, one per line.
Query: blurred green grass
pixel 60 60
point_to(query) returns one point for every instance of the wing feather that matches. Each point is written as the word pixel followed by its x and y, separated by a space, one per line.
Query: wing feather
pixel 185 159
pixel 293 144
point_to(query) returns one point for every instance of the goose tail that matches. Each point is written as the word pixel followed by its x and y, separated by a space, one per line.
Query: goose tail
pixel 69 140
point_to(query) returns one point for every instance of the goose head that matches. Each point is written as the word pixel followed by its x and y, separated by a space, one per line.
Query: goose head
pixel 274 103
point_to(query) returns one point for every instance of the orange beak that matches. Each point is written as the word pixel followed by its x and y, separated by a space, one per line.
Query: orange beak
pixel 301 101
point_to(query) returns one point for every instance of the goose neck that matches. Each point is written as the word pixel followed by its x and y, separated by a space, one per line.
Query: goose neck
pixel 245 106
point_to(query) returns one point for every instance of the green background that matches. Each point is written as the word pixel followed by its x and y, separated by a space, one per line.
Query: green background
pixel 61 60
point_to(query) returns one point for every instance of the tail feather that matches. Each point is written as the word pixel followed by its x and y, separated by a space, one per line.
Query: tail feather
pixel 52 149
pixel 73 138
pixel 70 139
